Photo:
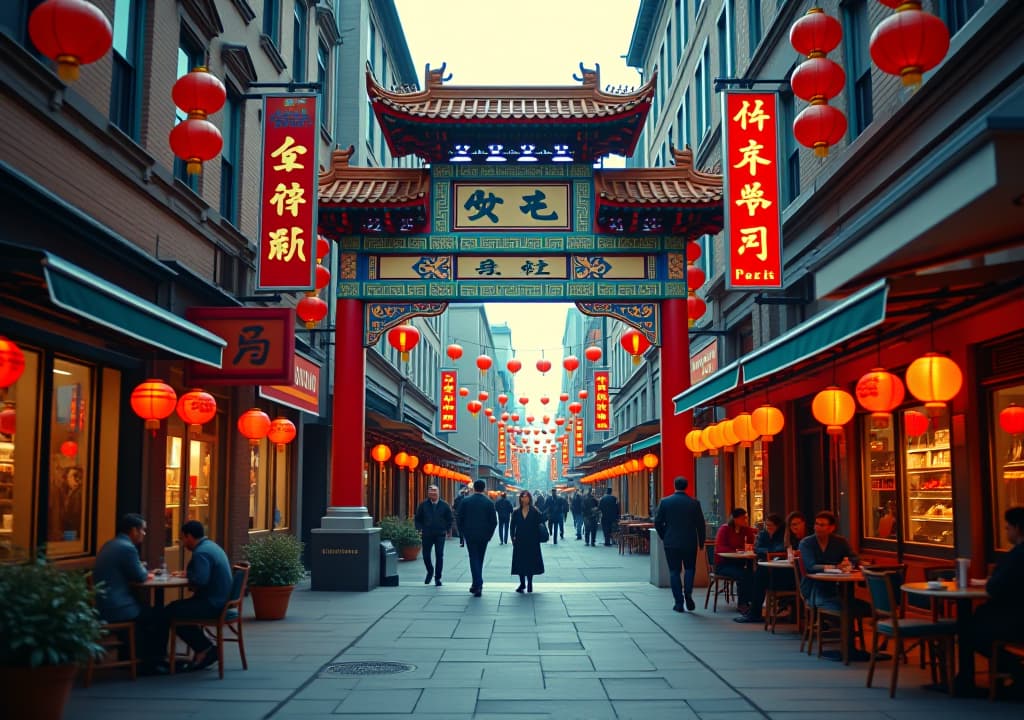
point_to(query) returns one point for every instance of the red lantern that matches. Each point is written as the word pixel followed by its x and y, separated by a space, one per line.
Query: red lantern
pixel 695 277
pixel 563 397
pixel 575 408
pixel 817 80
pixel 282 432
pixel 401 458
pixel 559 421
pixel 199 93
pixel 8 421
pixel 196 141
pixel 916 423
pixel 543 366
pixel 12 362
pixel 693 251
pixel 582 394
pixel 504 417
pixel 909 43
pixel 311 310
pixel 413 462
pixel 530 419
pixel 880 392
pixel 1011 419
pixel 523 401
pixel 196 408
pixel 403 338
pixel 488 412
pixel 695 309
pixel 571 363
pixel 152 401
pixel 515 418
pixel 502 399
pixel 815 33
pixel 474 406
pixel 69 449
pixel 544 399
pixel 833 408
pixel 254 424
pixel 593 353
pixel 323 248
pixel 71 33
pixel 381 453
pixel 323 277
pixel 635 343
pixel 484 362
pixel 514 366
pixel 819 127
pixel 463 392
pixel 482 397
pixel 454 351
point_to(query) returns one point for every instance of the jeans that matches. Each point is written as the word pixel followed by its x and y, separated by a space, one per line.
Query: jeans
pixel 435 541
pixel 555 528
pixel 607 527
pixel 590 534
pixel 476 550
pixel 577 521
pixel 189 609
pixel 679 559
pixel 503 530
pixel 743 577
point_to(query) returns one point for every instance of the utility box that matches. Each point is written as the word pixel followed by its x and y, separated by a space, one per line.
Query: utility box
pixel 388 564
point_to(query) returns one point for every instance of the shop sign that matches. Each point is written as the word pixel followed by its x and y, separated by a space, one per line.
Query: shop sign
pixel 502 453
pixel 260 346
pixel 554 469
pixel 288 193
pixel 704 363
pixel 512 206
pixel 578 434
pixel 753 227
pixel 304 392
pixel 448 416
pixel 565 452
pixel 602 420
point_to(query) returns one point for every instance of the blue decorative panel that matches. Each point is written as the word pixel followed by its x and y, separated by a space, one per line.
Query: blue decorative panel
pixel 381 317
pixel 644 316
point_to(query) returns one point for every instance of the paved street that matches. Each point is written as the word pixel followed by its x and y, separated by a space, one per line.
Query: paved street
pixel 595 640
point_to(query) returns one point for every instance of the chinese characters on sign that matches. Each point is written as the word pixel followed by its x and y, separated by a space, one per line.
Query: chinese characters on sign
pixel 564 442
pixel 753 227
pixel 260 346
pixel 288 193
pixel 578 433
pixel 512 206
pixel 448 410
pixel 513 267
pixel 601 401
pixel 502 453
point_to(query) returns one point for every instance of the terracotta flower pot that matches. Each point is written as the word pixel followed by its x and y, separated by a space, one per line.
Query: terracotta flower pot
pixel 270 602
pixel 409 552
pixel 40 692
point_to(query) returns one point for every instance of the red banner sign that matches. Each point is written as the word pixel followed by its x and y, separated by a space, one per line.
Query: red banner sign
pixel 753 227
pixel 578 434
pixel 260 346
pixel 288 193
pixel 565 453
pixel 704 363
pixel 502 453
pixel 602 402
pixel 304 392
pixel 449 413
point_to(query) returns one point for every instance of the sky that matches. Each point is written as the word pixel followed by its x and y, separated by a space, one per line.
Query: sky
pixel 523 42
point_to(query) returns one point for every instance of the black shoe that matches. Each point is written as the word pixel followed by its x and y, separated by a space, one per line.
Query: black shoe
pixel 690 604
pixel 430 576
pixel 208 659
pixel 474 589
pixel 748 619
pixel 529 588
pixel 438 582
pixel 477 593
pixel 521 588
pixel 679 608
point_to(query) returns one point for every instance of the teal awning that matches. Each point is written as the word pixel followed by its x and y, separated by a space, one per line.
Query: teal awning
pixel 89 296
pixel 618 453
pixel 724 380
pixel 857 313
pixel 648 443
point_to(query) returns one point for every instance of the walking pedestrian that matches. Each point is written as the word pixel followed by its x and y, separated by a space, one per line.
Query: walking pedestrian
pixel 609 505
pixel 556 517
pixel 504 510
pixel 455 509
pixel 477 519
pixel 577 514
pixel 527 559
pixel 591 518
pixel 679 522
pixel 433 519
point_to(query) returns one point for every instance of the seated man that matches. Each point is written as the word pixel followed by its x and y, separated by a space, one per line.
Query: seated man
pixel 769 540
pixel 1000 617
pixel 732 537
pixel 209 579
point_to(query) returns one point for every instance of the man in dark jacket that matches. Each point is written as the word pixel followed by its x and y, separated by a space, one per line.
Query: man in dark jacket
pixel 504 509
pixel 679 521
pixel 609 505
pixel 591 517
pixel 556 516
pixel 455 509
pixel 577 513
pixel 433 519
pixel 477 520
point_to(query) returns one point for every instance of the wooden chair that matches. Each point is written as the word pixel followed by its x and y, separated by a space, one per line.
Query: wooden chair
pixel 718 584
pixel 229 620
pixel 773 596
pixel 996 676
pixel 806 617
pixel 856 623
pixel 883 590
pixel 118 637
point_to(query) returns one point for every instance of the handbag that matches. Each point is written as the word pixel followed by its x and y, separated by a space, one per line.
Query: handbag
pixel 542 532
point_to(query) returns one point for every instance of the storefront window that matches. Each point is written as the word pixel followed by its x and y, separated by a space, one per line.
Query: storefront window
pixel 928 488
pixel 71 438
pixel 880 505
pixel 1007 463
pixel 269 487
pixel 191 490
pixel 749 481
pixel 18 422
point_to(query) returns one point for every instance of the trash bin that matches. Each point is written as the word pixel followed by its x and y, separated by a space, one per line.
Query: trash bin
pixel 388 564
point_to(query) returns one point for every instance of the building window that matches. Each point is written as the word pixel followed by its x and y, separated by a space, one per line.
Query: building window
pixel 270 483
pixel 323 76
pixel 272 20
pixel 790 149
pixel 127 59
pixel 858 65
pixel 14 21
pixel 300 31
pixel 756 28
pixel 680 11
pixel 231 130
pixel 1007 464
pixel 956 13
pixel 703 84
pixel 726 53
pixel 190 56
pixel 373 47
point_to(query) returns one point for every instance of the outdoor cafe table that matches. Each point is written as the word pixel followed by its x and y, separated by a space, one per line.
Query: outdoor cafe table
pixel 156 587
pixel 845 619
pixel 737 555
pixel 965 598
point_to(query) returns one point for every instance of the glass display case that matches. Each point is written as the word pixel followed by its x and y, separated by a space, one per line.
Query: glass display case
pixel 749 481
pixel 880 501
pixel 1007 458
pixel 928 486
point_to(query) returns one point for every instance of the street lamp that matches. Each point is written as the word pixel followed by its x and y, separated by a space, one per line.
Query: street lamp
pixel 650 461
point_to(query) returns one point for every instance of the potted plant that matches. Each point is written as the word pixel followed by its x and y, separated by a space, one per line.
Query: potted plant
pixel 275 566
pixel 403 535
pixel 47 626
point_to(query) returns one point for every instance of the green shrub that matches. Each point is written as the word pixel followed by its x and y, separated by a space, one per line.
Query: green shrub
pixel 275 560
pixel 401 532
pixel 46 616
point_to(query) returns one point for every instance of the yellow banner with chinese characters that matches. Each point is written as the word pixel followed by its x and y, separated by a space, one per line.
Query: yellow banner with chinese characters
pixel 512 206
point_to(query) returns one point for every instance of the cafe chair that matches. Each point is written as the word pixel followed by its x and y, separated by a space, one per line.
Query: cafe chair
pixel 773 597
pixel 996 676
pixel 821 634
pixel 806 616
pixel 716 584
pixel 883 592
pixel 226 627
pixel 118 640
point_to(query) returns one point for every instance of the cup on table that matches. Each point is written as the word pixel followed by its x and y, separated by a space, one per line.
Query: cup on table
pixel 748 547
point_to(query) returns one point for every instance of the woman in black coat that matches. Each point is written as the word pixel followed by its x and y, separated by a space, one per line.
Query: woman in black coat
pixel 527 560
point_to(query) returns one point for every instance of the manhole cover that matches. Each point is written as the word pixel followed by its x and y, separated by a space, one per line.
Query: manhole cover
pixel 368 668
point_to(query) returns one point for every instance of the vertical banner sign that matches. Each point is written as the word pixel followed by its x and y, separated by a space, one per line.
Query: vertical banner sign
pixel 601 398
pixel 501 444
pixel 515 464
pixel 448 417
pixel 753 226
pixel 565 453
pixel 288 193
pixel 578 432
pixel 554 470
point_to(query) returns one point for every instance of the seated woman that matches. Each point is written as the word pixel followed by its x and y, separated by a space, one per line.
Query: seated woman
pixel 770 540
pixel 731 538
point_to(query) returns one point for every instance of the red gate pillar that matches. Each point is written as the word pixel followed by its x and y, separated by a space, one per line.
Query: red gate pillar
pixel 676 458
pixel 349 412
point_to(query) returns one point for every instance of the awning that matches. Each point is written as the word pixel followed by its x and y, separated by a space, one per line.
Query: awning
pixel 618 453
pixel 89 296
pixel 724 380
pixel 648 443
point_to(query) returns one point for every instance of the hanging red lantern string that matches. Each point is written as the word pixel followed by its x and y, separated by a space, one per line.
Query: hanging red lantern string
pixel 323 277
pixel 71 33
pixel 635 343
pixel 323 248
pixel 695 307
pixel 8 420
pixel 543 366
pixel 196 408
pixel 910 42
pixel 403 338
pixel 817 80
pixel 311 310
pixel 474 406
pixel 453 351
pixel 484 362
pixel 152 401
pixel 196 140
pixel 282 432
pixel 819 127
pixel 570 364
pixel 592 353
pixel 514 366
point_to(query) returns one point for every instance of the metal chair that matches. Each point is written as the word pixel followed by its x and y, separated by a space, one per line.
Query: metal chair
pixel 229 620
pixel 718 584
pixel 118 636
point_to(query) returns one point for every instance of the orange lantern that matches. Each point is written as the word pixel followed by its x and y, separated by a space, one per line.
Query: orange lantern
pixel 633 465
pixel 695 442
pixel 650 461
pixel 717 435
pixel 743 427
pixel 934 380
pixel 592 353
pixel 196 408
pixel 729 436
pixel 412 463
pixel 708 440
pixel 428 469
pixel 12 362
pixel 403 338
pixel 635 343
pixel 767 422
pixel 915 423
pixel 381 453
pixel 484 362
pixel 152 401
pixel 1011 419
pixel 254 424
pixel 880 392
pixel 282 432
pixel 71 33
pixel 402 459
pixel 833 408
